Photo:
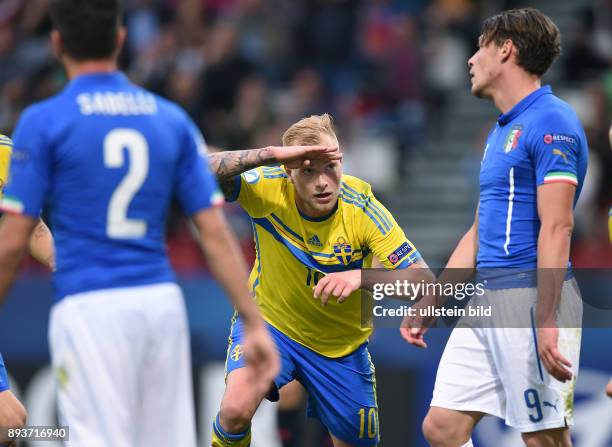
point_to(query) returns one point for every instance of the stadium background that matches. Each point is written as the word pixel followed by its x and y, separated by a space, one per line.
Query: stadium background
pixel 393 74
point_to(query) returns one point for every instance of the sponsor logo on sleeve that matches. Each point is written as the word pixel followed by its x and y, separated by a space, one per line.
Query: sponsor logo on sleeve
pixel 400 252
pixel 551 138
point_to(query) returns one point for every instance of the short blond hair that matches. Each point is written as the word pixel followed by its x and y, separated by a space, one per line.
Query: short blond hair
pixel 307 131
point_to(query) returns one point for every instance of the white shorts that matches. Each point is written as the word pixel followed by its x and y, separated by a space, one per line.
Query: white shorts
pixel 122 364
pixel 497 370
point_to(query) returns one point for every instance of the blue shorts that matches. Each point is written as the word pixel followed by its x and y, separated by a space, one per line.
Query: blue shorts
pixel 4 383
pixel 341 391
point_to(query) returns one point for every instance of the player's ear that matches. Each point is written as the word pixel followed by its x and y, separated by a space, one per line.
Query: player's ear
pixel 289 173
pixel 121 36
pixel 506 49
pixel 57 43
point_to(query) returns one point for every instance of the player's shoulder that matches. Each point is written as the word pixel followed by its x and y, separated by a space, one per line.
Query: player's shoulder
pixel 354 185
pixel 555 112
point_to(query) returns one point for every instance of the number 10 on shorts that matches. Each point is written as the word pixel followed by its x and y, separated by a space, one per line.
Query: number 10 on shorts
pixel 372 420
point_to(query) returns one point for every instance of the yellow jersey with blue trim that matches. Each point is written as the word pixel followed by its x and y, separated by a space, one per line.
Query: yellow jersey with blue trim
pixel 6 148
pixel 294 251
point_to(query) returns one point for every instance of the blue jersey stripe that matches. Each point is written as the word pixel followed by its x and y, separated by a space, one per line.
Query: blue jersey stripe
pixel 275 175
pixel 365 210
pixel 305 258
pixel 535 341
pixel 297 236
pixel 289 230
pixel 237 187
pixel 367 201
pixel 258 251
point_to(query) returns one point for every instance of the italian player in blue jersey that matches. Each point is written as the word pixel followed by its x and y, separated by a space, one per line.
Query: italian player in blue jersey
pixel 533 168
pixel 106 157
pixel 315 228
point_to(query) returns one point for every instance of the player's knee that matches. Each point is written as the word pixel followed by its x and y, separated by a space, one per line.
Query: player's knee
pixel 434 430
pixel 439 433
pixel 235 416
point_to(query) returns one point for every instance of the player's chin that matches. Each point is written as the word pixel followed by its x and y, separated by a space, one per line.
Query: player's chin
pixel 324 208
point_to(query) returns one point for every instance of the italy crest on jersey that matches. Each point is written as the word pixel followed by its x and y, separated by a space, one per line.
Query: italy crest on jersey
pixel 513 138
pixel 343 251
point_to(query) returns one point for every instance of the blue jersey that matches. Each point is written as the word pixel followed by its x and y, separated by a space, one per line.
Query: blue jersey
pixel 107 156
pixel 539 141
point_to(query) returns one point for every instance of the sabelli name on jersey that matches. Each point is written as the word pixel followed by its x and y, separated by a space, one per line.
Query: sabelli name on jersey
pixel 117 103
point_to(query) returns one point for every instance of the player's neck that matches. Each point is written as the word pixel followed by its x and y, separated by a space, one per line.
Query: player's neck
pixel 80 68
pixel 513 89
pixel 311 213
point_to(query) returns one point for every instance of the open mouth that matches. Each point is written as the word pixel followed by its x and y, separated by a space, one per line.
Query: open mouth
pixel 323 197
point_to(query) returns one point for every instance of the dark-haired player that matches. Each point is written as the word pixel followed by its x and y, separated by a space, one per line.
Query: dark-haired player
pixel 533 166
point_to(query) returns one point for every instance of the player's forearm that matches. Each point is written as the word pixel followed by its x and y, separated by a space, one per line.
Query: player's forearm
pixel 462 262
pixel 553 255
pixel 41 245
pixel 228 164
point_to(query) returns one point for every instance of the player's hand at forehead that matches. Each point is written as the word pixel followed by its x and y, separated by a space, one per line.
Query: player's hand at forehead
pixel 296 157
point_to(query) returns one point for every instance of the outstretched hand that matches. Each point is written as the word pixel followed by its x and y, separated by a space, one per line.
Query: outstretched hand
pixel 340 285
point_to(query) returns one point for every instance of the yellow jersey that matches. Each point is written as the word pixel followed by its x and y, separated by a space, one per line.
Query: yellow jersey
pixel 293 251
pixel 6 147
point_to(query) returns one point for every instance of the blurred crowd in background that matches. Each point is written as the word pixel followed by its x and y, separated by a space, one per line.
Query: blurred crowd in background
pixel 385 69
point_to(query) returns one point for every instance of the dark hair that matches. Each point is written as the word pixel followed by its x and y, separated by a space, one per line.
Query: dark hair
pixel 534 34
pixel 88 27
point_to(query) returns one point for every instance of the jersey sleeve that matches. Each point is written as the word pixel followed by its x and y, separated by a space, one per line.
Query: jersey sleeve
pixel 261 190
pixel 196 188
pixel 554 149
pixel 385 238
pixel 30 168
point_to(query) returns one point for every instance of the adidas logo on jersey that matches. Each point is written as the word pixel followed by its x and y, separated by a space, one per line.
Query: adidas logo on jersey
pixel 315 241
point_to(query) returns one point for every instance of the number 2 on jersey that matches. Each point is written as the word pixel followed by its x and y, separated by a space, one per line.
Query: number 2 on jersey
pixel 118 225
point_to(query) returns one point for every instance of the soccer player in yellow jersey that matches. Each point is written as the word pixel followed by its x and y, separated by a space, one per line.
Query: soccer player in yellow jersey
pixel 315 229
pixel 12 412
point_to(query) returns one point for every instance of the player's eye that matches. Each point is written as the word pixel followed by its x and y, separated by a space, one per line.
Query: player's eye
pixel 307 171
pixel 331 166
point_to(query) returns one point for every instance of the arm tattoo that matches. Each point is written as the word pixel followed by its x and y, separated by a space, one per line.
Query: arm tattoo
pixel 227 165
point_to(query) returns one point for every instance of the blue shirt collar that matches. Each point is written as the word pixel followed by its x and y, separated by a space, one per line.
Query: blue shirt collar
pixel 523 104
pixel 317 219
pixel 96 77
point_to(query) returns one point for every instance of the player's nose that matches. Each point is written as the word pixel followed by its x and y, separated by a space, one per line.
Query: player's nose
pixel 322 182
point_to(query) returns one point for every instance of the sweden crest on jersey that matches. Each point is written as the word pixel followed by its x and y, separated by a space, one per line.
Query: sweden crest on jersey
pixel 343 251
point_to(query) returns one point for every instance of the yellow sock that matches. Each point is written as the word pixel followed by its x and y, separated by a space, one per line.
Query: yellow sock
pixel 220 438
